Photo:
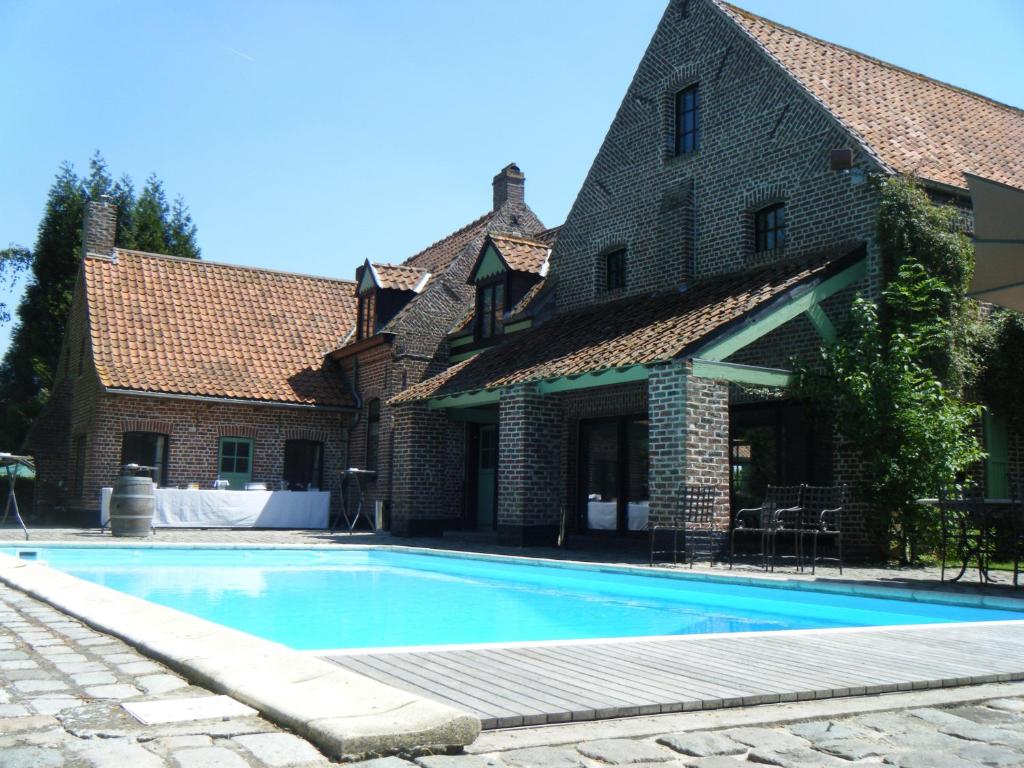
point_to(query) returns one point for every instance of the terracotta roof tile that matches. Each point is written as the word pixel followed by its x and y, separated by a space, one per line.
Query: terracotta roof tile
pixel 181 326
pixel 627 332
pixel 401 278
pixel 913 124
pixel 436 257
pixel 522 254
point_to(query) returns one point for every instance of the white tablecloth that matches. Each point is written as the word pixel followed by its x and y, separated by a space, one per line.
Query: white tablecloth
pixel 604 515
pixel 179 508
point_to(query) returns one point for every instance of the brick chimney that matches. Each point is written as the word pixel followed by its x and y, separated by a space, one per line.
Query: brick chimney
pixel 509 186
pixel 100 226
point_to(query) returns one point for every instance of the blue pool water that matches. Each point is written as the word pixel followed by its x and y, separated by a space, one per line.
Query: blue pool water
pixel 316 599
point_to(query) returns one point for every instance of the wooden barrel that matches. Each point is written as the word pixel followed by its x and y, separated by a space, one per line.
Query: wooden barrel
pixel 131 506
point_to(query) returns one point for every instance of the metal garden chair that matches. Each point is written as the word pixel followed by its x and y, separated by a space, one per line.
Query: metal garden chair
pixel 693 519
pixel 765 521
pixel 821 514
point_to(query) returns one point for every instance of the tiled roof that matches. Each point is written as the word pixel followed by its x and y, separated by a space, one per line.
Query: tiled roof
pixel 547 236
pixel 913 124
pixel 632 331
pixel 187 327
pixel 436 257
pixel 522 254
pixel 400 278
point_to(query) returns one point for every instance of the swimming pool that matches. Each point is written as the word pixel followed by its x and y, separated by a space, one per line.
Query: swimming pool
pixel 371 598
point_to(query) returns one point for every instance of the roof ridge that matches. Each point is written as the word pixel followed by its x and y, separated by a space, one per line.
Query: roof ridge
pixel 228 265
pixel 476 222
pixel 868 57
pixel 519 239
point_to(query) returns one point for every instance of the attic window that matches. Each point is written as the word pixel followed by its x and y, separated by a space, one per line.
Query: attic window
pixel 687 121
pixel 367 314
pixel 770 228
pixel 490 308
pixel 615 270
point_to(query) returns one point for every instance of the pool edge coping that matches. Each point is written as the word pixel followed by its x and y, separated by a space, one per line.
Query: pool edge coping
pixel 344 714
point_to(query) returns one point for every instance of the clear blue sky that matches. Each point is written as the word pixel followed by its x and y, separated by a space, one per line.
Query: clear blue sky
pixel 310 135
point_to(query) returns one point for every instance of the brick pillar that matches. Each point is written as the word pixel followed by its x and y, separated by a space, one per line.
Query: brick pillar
pixel 530 435
pixel 689 437
pixel 420 505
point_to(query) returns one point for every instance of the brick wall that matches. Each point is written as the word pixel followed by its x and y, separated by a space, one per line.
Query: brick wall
pixel 427 479
pixel 763 140
pixel 689 438
pixel 530 453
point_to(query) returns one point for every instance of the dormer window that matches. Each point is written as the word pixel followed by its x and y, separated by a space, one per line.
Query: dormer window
pixel 770 229
pixel 687 122
pixel 615 270
pixel 367 314
pixel 490 308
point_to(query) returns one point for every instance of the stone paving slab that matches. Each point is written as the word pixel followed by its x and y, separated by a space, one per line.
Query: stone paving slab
pixel 55 718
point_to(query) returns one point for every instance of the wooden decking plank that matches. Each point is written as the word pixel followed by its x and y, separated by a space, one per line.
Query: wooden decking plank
pixel 511 686
pixel 505 711
pixel 552 678
pixel 356 664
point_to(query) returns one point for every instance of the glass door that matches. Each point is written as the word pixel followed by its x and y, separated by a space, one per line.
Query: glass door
pixel 614 474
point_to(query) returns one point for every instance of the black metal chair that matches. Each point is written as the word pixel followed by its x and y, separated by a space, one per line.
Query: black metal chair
pixel 697 510
pixel 764 521
pixel 692 520
pixel 1017 525
pixel 961 514
pixel 821 514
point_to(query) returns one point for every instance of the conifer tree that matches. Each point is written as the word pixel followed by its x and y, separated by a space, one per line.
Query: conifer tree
pixel 181 231
pixel 26 373
pixel 150 218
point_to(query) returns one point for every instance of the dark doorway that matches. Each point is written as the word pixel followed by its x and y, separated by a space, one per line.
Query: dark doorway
pixel 303 465
pixel 781 443
pixel 614 464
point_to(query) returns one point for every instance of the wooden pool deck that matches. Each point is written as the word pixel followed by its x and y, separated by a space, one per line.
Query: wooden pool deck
pixel 555 683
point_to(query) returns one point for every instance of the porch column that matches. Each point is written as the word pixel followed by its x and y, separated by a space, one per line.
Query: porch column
pixel 530 437
pixel 689 437
pixel 420 496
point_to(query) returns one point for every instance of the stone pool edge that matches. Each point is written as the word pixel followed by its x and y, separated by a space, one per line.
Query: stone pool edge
pixel 342 713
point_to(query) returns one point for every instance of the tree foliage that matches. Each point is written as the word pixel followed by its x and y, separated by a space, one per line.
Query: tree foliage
pixel 26 373
pixel 897 377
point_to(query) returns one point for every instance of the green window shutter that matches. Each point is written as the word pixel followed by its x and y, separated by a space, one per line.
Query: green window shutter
pixel 997 483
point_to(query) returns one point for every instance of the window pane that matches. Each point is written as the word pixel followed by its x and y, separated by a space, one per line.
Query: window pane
pixel 242 449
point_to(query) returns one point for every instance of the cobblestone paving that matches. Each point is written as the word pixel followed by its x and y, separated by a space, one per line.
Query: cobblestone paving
pixel 61 689
pixel 986 734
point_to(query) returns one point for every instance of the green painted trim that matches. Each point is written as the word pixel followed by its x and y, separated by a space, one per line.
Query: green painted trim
pixel 742 374
pixel 605 378
pixel 460 356
pixel 367 284
pixel 822 324
pixel 997 462
pixel 465 399
pixel 461 341
pixel 490 264
pixel 772 318
pixel 474 415
pixel 519 325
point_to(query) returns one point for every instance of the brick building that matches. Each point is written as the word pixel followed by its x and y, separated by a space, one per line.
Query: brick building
pixel 405 312
pixel 199 369
pixel 723 229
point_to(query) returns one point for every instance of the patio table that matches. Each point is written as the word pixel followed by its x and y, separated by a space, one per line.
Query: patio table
pixel 354 478
pixel 205 508
pixel 975 522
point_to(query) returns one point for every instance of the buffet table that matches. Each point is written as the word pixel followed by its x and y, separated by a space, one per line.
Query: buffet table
pixel 203 508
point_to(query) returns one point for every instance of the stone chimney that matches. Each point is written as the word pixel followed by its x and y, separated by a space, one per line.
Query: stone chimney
pixel 509 186
pixel 100 226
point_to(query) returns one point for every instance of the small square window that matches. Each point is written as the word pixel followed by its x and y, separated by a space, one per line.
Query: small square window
pixel 687 123
pixel 615 270
pixel 770 228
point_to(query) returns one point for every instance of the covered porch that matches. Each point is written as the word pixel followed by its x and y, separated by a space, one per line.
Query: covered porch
pixel 541 436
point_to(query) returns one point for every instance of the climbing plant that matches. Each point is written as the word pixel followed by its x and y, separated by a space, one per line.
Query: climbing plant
pixel 897 376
